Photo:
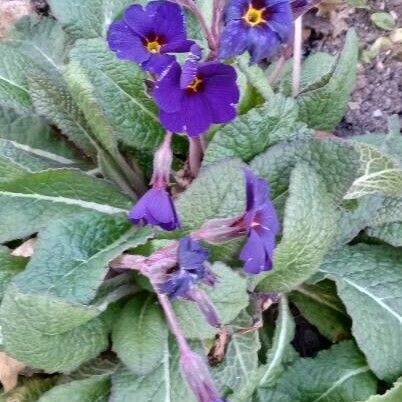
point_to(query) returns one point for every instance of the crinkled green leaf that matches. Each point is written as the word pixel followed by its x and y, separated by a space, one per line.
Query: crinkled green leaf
pixel 87 20
pixel 10 266
pixel 139 335
pixel 392 395
pixel 323 107
pixel 320 305
pixel 30 203
pixel 229 296
pixel 389 232
pixel 252 133
pixel 335 160
pixel 241 358
pixel 336 375
pixel 369 282
pixel 95 389
pixel 32 134
pixel 112 95
pixel 306 235
pixel 14 93
pixel 316 72
pixel 71 256
pixel 277 355
pixel 163 384
pixel 218 192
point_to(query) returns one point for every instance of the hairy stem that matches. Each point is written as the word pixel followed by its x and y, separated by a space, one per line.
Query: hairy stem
pixel 297 56
pixel 195 156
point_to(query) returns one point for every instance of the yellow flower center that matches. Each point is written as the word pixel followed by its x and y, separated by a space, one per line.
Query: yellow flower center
pixel 195 85
pixel 254 16
pixel 153 46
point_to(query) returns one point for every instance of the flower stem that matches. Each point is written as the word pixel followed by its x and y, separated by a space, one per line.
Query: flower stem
pixel 297 56
pixel 173 323
pixel 193 7
pixel 219 6
pixel 195 156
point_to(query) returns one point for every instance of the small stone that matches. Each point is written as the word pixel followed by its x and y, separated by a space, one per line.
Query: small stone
pixel 377 113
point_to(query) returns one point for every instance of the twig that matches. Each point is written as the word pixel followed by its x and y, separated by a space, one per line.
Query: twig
pixel 297 56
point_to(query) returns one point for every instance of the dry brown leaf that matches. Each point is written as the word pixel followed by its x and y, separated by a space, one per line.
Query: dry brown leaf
pixel 9 370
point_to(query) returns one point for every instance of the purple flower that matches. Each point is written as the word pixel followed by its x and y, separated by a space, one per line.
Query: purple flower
pixel 147 35
pixel 192 99
pixel 258 26
pixel 155 208
pixel 263 226
pixel 191 269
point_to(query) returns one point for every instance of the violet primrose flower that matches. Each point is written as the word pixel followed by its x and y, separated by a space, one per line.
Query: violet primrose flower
pixel 258 26
pixel 146 35
pixel 156 206
pixel 263 226
pixel 192 270
pixel 200 94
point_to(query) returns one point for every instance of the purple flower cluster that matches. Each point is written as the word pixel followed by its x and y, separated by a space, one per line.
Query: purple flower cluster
pixel 256 26
pixel 192 258
pixel 190 98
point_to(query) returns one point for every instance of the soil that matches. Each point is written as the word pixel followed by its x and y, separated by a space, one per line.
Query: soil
pixel 378 91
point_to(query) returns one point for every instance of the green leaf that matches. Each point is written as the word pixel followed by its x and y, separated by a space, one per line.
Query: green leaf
pixel 392 395
pixel 316 72
pixel 9 170
pixel 383 20
pixel 139 335
pixel 10 266
pixel 22 159
pixel 229 296
pixel 277 355
pixel 336 375
pixel 368 280
pixel 241 358
pixel 87 20
pixel 112 94
pixel 252 133
pixel 323 107
pixel 320 305
pixel 336 161
pixel 30 203
pixel 306 235
pixel 14 93
pixel 218 192
pixel 358 3
pixel 95 389
pixel 389 232
pixel 32 134
pixel 46 318
pixel 71 257
pixel 163 384
pixel 49 334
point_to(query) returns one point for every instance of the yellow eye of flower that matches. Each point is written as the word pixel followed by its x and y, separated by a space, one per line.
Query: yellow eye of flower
pixel 154 46
pixel 254 16
pixel 195 85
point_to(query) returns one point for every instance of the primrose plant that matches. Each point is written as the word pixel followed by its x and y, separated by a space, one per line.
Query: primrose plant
pixel 172 197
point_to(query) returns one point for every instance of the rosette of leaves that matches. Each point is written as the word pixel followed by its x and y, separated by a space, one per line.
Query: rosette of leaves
pixel 77 133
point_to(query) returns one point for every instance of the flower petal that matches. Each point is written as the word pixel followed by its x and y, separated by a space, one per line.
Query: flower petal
pixel 158 63
pixel 125 43
pixel 167 93
pixel 139 20
pixel 179 46
pixel 253 254
pixel 281 20
pixel 262 43
pixel 233 40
